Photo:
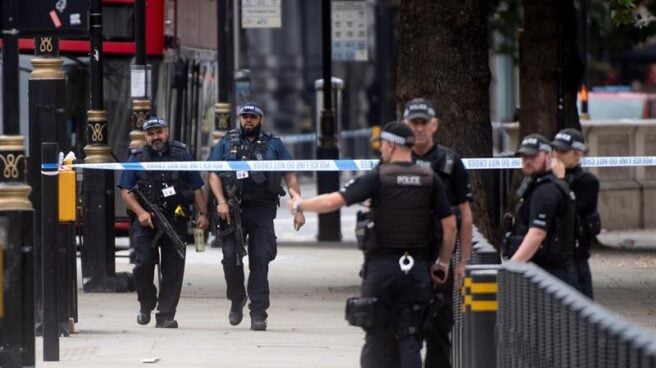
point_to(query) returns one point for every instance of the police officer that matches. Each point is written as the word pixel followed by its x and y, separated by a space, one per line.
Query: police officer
pixel 407 203
pixel 420 115
pixel 259 196
pixel 543 228
pixel 173 192
pixel 569 148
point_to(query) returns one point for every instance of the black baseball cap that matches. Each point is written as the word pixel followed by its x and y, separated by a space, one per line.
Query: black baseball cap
pixel 418 108
pixel 398 133
pixel 532 144
pixel 251 108
pixel 154 123
pixel 569 139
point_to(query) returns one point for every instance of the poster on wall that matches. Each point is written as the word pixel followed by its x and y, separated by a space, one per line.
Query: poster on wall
pixel 349 30
pixel 261 14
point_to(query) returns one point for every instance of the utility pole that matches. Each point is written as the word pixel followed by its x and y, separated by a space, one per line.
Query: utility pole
pixel 327 148
pixel 10 91
pixel 98 259
pixel 585 115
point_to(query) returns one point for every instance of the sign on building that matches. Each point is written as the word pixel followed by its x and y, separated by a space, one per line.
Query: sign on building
pixel 61 17
pixel 261 14
pixel 349 30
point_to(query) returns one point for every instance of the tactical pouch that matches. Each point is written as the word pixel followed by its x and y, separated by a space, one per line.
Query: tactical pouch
pixel 362 312
pixel 364 229
pixel 592 224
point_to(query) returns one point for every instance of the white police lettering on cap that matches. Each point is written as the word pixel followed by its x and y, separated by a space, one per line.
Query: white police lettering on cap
pixel 530 140
pixel 564 137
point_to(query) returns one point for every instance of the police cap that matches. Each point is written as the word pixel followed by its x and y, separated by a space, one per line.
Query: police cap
pixel 397 133
pixel 418 108
pixel 154 123
pixel 532 144
pixel 568 139
pixel 251 108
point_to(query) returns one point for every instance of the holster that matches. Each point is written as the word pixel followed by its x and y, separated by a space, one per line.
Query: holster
pixel 365 312
pixel 364 229
pixel 510 245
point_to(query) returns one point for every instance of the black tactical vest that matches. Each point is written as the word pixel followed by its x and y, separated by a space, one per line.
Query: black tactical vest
pixel 403 216
pixel 157 180
pixel 441 159
pixel 259 187
pixel 560 242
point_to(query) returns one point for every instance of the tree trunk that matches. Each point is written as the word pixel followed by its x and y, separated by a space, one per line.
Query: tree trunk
pixel 538 66
pixel 443 56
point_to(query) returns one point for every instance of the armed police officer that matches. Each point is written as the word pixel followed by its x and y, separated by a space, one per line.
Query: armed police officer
pixel 247 203
pixel 407 203
pixel 149 196
pixel 542 230
pixel 569 147
pixel 420 115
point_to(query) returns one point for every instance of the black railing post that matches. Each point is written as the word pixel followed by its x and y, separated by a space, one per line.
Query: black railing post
pixel 49 202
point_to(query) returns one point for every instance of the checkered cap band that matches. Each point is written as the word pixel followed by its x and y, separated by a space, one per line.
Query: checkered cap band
pixel 393 138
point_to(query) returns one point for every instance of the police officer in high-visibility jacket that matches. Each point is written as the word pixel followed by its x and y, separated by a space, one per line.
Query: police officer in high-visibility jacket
pixel 569 147
pixel 407 203
pixel 542 229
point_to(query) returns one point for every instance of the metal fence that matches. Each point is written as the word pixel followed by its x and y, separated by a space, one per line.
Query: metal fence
pixel 543 322
pixel 517 315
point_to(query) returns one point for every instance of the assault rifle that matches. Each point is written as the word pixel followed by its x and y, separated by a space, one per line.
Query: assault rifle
pixel 232 227
pixel 162 224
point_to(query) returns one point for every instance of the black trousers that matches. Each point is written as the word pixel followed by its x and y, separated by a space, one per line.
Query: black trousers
pixel 257 226
pixel 438 325
pixel 584 276
pixel 395 339
pixel 172 267
pixel 566 271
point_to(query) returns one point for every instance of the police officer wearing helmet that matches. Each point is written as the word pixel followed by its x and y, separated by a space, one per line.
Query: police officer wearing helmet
pixel 173 192
pixel 569 147
pixel 259 194
pixel 407 203
pixel 542 230
pixel 420 115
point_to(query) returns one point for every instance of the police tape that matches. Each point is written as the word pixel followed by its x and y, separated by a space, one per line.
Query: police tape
pixel 334 165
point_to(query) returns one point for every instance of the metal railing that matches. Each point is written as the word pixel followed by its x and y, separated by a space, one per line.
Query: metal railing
pixel 543 322
pixel 518 315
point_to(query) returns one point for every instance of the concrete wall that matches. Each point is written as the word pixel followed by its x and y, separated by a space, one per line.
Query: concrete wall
pixel 627 195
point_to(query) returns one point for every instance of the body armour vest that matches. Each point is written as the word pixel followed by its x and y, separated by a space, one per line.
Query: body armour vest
pixel 259 187
pixel 403 217
pixel 560 241
pixel 157 180
pixel 441 160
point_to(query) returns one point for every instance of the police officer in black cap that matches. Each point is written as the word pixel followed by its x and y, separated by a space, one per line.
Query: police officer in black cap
pixel 569 147
pixel 173 192
pixel 259 194
pixel 542 230
pixel 420 115
pixel 407 203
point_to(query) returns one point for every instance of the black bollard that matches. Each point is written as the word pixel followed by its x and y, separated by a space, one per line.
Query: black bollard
pixel 49 201
pixel 16 221
pixel 47 104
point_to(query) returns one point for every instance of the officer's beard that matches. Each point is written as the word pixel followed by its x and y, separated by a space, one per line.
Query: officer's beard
pixel 251 131
pixel 158 145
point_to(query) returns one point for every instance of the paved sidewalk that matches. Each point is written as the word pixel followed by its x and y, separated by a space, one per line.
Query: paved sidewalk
pixel 306 320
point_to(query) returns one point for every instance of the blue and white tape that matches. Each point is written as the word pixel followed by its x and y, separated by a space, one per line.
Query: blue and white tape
pixel 337 165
